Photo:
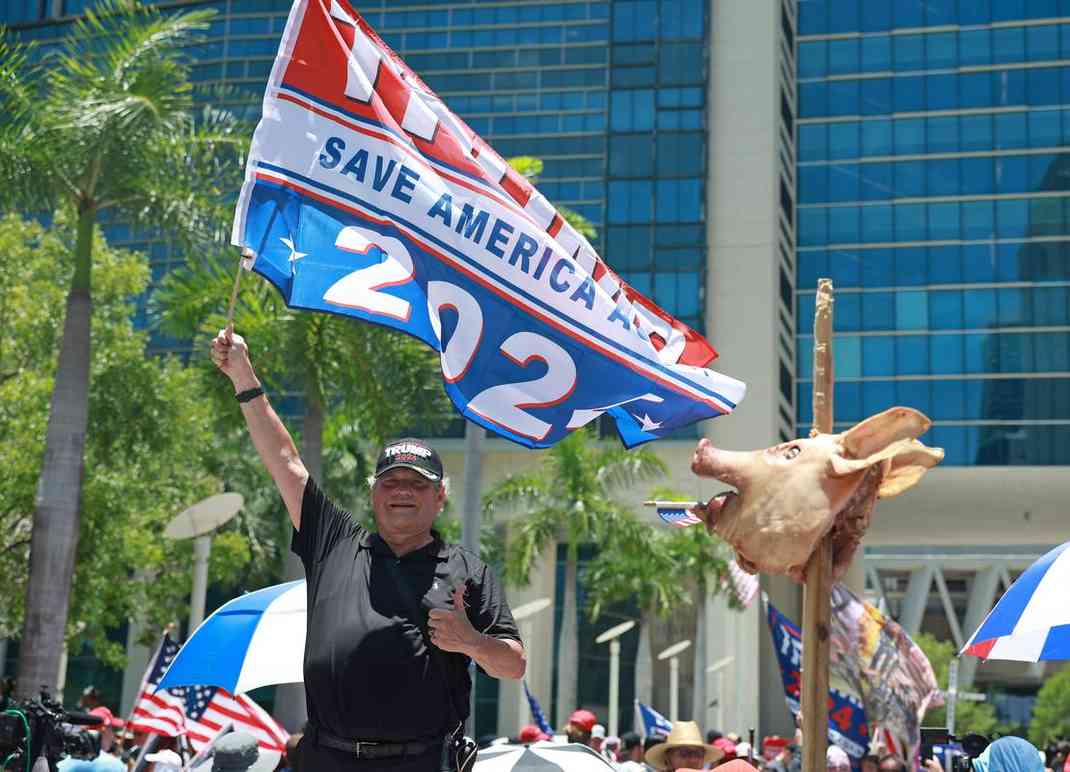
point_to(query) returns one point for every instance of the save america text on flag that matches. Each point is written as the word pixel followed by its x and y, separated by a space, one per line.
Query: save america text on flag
pixel 199 712
pixel 365 196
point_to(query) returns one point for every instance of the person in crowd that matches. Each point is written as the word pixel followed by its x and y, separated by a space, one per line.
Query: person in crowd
pixel 870 763
pixel 579 726
pixel 744 751
pixel 598 738
pixel 90 698
pixel 165 760
pixel 684 748
pixel 395 616
pixel 106 760
pixel 531 734
pixel 611 749
pixel 890 762
pixel 712 736
pixel 1009 754
pixel 727 746
pixel 630 758
pixel 652 740
pixel 837 760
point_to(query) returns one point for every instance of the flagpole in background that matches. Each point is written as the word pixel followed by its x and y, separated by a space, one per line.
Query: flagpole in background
pixel 817 599
pixel 473 474
pixel 612 635
pixel 522 615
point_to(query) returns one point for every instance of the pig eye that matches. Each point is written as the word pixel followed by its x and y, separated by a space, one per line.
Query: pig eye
pixel 791 451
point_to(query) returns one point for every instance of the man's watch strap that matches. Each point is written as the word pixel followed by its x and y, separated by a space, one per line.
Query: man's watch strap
pixel 249 394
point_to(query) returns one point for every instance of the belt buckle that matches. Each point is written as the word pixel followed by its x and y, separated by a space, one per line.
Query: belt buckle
pixel 360 743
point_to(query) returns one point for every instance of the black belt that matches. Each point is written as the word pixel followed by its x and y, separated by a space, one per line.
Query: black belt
pixel 364 749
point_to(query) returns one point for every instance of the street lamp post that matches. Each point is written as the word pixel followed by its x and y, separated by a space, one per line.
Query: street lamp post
pixel 522 615
pixel 611 635
pixel 673 655
pixel 718 668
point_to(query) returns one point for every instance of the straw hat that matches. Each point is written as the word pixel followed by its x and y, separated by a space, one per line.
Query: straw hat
pixel 684 734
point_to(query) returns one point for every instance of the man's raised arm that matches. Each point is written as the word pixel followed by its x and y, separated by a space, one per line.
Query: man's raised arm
pixel 273 443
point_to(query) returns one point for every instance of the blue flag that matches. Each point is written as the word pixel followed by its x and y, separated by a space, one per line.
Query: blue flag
pixel 365 196
pixel 652 721
pixel 537 715
pixel 847 725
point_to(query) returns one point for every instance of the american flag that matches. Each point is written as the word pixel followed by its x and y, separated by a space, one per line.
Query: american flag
pixel 678 513
pixel 199 712
pixel 743 585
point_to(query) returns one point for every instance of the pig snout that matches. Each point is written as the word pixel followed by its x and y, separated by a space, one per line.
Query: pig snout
pixel 724 465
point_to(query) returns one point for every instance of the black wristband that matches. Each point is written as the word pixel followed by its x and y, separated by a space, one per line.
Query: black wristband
pixel 248 394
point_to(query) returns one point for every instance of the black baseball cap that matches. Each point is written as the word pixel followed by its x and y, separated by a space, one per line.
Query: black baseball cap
pixel 410 453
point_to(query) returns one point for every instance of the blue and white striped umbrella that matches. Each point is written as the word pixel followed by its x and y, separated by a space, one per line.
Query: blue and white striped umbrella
pixel 1031 622
pixel 256 639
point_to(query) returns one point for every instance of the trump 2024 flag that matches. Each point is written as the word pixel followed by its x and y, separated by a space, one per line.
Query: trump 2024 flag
pixel 365 196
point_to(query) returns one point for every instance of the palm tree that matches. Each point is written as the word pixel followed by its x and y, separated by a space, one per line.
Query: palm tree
pixel 663 570
pixel 568 498
pixel 103 125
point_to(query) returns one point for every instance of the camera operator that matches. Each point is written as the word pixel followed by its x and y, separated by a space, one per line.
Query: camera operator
pixel 105 760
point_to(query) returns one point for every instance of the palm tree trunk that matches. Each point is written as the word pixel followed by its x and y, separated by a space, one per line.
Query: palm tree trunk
pixel 644 663
pixel 291 709
pixel 54 542
pixel 568 645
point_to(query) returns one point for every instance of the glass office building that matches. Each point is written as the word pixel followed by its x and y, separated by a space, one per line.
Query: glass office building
pixel 610 95
pixel 934 188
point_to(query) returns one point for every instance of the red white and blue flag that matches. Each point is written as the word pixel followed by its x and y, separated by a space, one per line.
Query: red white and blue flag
pixel 199 713
pixel 365 196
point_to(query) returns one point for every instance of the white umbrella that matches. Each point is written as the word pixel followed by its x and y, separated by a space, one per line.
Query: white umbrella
pixel 540 757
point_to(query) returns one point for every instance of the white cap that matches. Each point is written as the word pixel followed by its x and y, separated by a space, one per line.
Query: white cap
pixel 166 760
pixel 742 750
pixel 598 731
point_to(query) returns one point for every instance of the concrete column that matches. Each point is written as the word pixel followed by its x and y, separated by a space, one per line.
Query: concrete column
pixel 982 595
pixel 913 609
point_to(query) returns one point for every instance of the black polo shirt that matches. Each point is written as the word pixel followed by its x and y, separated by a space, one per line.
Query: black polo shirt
pixel 368 672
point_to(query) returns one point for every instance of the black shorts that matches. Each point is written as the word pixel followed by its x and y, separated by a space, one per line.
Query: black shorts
pixel 317 758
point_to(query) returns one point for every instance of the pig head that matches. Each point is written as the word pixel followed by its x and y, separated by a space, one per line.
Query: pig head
pixel 789 496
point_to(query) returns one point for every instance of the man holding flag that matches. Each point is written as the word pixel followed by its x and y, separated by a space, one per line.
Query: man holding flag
pixel 394 617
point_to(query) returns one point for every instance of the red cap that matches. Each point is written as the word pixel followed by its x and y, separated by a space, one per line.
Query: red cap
pixel 775 741
pixel 727 746
pixel 584 719
pixel 108 718
pixel 532 734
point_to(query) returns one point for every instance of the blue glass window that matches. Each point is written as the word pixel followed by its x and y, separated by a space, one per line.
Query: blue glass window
pixel 941 92
pixel 813 142
pixel 847 352
pixel 843 16
pixel 976 133
pixel 843 182
pixel 812 59
pixel 876 181
pixel 945 221
pixel 975 47
pixel 909 13
pixel 876 51
pixel 843 140
pixel 945 264
pixel 909 52
pixel 877 396
pixel 945 354
pixel 813 100
pixel 942 175
pixel 1042 86
pixel 877 137
pixel 910 222
pixel 915 394
pixel 813 17
pixel 843 56
pixel 1008 44
pixel 1045 129
pixel 843 97
pixel 877 223
pixel 945 310
pixel 630 201
pixel 908 94
pixel 813 226
pixel 632 110
pixel 848 398
pixel 876 17
pixel 977 176
pixel 679 200
pixel 848 314
pixel 909 136
pixel 844 268
pixel 878 355
pixel 910 266
pixel 979 308
pixel 1042 43
pixel 876 96
pixel 880 311
pixel 910 179
pixel 878 268
pixel 843 225
pixel 632 20
pixel 912 310
pixel 1011 131
pixel 941 50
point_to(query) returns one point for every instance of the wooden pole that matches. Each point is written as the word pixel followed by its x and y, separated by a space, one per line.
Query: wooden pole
pixel 817 599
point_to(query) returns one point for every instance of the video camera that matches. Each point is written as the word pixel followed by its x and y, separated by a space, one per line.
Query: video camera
pixel 32 731
pixel 956 759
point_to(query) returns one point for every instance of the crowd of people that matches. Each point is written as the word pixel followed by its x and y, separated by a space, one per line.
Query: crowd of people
pixel 686 747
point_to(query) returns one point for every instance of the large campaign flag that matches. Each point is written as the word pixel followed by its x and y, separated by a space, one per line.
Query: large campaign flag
pixel 200 713
pixel 847 725
pixel 874 657
pixel 365 196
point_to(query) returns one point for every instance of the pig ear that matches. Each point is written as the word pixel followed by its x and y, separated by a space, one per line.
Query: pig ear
pixel 908 467
pixel 882 430
pixel 842 464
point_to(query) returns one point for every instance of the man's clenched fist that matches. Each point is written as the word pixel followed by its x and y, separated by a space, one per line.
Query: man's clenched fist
pixel 231 355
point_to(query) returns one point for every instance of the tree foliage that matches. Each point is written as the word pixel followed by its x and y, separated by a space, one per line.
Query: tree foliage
pixel 979 717
pixel 1051 712
pixel 150 432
